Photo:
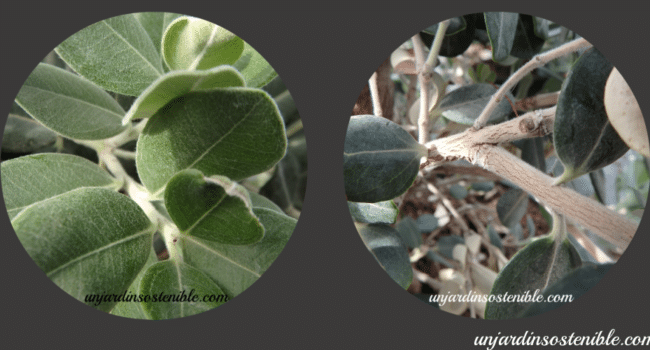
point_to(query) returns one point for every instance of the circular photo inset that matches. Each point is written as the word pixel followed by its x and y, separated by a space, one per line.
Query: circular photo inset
pixel 496 165
pixel 153 165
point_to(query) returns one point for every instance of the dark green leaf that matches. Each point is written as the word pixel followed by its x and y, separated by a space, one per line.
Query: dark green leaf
pixel 427 223
pixel 527 44
pixel 182 289
pixel 259 201
pixel 530 225
pixel 539 265
pixel 88 241
pixel 464 104
pixel 532 152
pixel 584 138
pixel 235 132
pixel 288 184
pixel 373 213
pixel 212 208
pixel 116 54
pixel 512 207
pixel 191 43
pixel 598 182
pixel 458 37
pixel 576 284
pixel 235 268
pixel 35 178
pixel 390 252
pixel 380 160
pixel 409 232
pixel 174 84
pixel 501 28
pixel 495 239
pixel 70 105
pixel 25 135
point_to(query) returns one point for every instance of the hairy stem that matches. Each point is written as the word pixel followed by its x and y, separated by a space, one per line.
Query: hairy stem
pixel 374 95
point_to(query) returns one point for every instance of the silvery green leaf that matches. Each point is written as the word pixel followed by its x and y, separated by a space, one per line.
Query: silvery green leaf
pixel 501 28
pixel 184 287
pixel 132 308
pixel 235 132
pixel 427 223
pixel 25 135
pixel 212 208
pixel 235 268
pixel 69 104
pixel 512 207
pixel 409 232
pixel 192 43
pixel 373 213
pixel 177 83
pixel 116 54
pixel 255 69
pixel 155 24
pixel 36 178
pixel 88 241
pixel 466 103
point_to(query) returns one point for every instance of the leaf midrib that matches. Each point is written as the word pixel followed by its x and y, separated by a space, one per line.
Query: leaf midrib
pixel 131 46
pixel 149 229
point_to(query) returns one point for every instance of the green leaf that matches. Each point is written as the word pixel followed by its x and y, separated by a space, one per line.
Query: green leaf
pixel 495 239
pixel 537 266
pixel 445 245
pixel 512 207
pixel 174 84
pixel 532 152
pixel 527 44
pixel 179 290
pixel 427 223
pixel 255 69
pixel 131 306
pixel 35 178
pixel 385 245
pixel 235 132
pixel 483 186
pixel 89 241
pixel 380 159
pixel 259 201
pixel 576 284
pixel 373 213
pixel 458 36
pixel 457 191
pixel 69 104
pixel 288 184
pixel 235 268
pixel 501 28
pixel 192 43
pixel 212 208
pixel 464 104
pixel 598 182
pixel 116 54
pixel 155 24
pixel 409 232
pixel 584 138
pixel 25 135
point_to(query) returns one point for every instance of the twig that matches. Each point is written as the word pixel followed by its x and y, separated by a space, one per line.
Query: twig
pixel 435 46
pixel 535 62
pixel 538 101
pixel 423 118
pixel 447 203
pixel 374 95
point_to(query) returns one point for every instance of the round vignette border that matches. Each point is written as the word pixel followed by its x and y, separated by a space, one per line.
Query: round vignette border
pixel 408 316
